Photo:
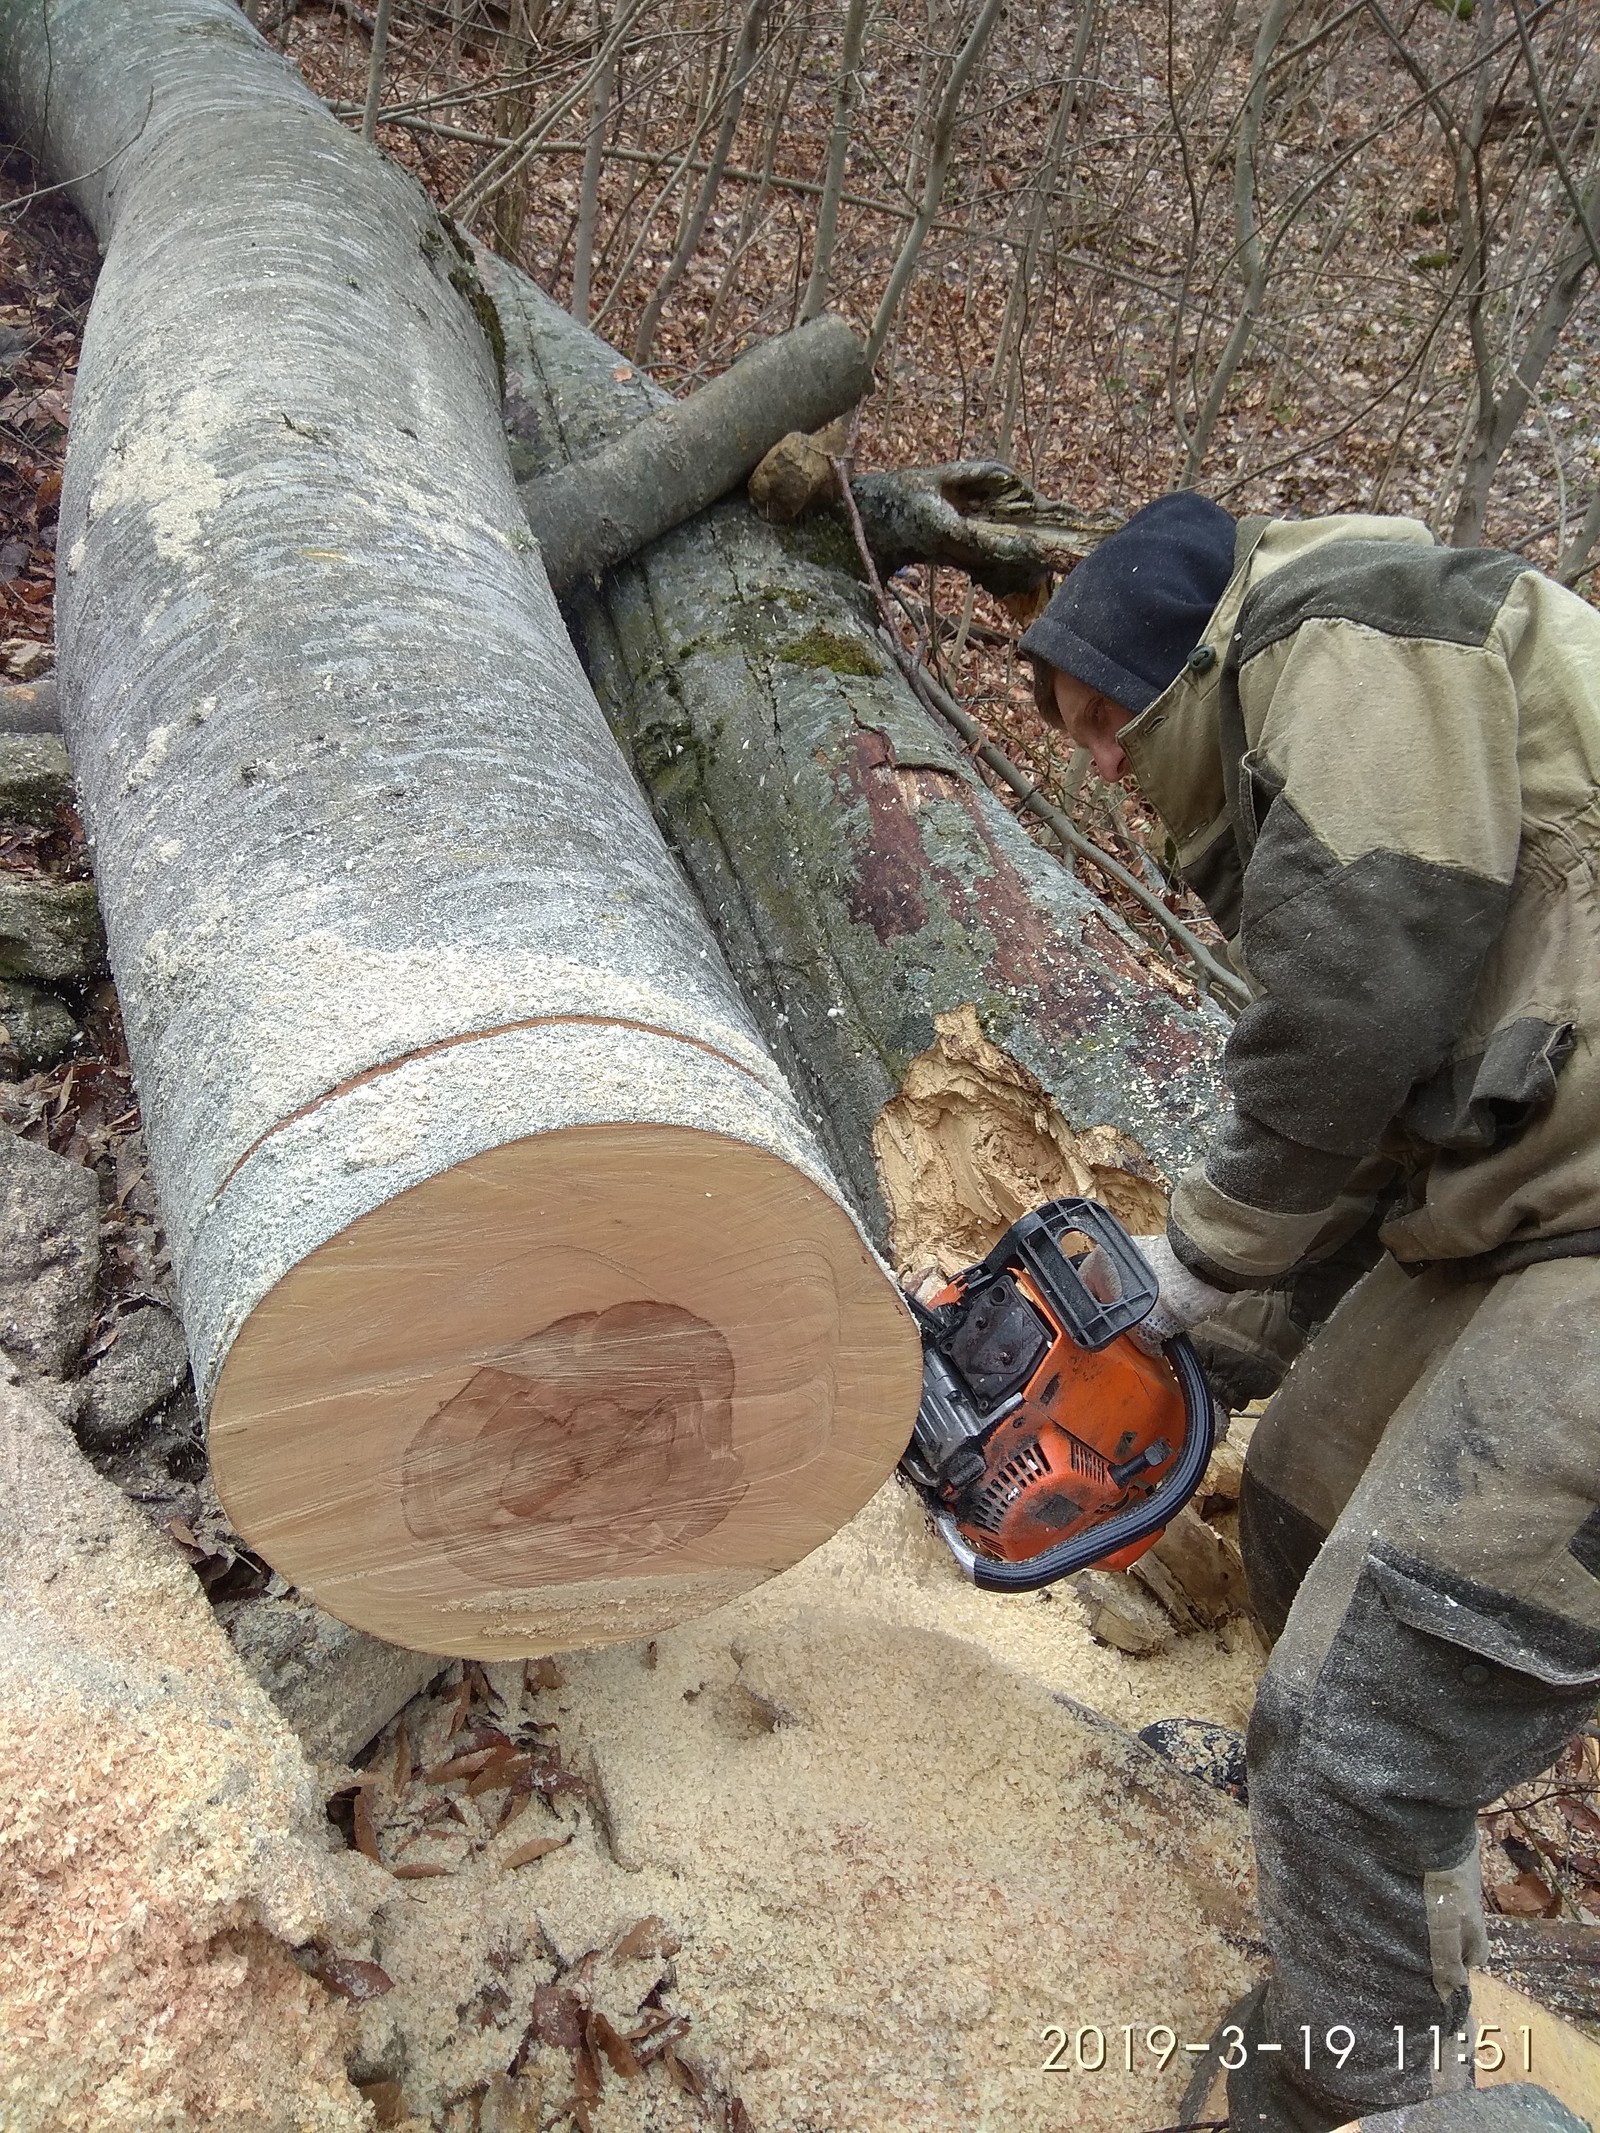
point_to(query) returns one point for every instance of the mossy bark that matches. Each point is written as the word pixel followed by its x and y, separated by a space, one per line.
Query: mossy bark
pixel 860 879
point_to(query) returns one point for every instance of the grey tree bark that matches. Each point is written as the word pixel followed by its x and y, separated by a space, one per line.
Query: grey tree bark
pixel 960 1015
pixel 657 473
pixel 429 1034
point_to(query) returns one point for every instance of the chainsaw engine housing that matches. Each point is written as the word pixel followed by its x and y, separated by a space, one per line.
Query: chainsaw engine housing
pixel 1047 1439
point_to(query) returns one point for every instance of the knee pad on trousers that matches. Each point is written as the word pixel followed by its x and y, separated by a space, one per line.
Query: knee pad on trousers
pixel 1279 1544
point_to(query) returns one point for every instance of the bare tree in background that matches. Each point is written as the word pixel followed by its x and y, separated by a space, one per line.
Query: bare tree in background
pixel 1298 252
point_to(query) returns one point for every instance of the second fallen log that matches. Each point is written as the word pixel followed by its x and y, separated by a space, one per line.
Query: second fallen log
pixel 969 1029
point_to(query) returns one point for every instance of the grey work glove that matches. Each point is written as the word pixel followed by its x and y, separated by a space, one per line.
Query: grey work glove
pixel 1184 1299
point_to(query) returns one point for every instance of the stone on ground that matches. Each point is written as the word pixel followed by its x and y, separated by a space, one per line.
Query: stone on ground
pixel 36 1029
pixel 49 1256
pixel 35 776
pixel 49 929
pixel 140 1372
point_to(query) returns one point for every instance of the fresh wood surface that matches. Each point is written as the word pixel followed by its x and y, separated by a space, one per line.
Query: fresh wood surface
pixel 584 1385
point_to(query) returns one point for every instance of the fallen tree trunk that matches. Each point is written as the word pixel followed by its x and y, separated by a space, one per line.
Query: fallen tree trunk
pixel 524 1307
pixel 612 503
pixel 968 1027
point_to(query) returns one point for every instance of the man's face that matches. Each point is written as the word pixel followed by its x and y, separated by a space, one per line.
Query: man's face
pixel 1089 720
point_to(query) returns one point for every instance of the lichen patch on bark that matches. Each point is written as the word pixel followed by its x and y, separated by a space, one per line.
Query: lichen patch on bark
pixel 972 1140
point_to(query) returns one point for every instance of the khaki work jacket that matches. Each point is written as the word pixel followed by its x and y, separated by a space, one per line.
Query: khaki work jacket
pixel 1381 771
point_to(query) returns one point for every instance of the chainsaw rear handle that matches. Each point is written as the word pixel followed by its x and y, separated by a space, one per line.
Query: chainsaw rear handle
pixel 1134 1524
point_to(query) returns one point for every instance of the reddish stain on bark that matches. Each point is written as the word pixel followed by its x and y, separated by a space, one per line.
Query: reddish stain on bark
pixel 885 892
pixel 1067 985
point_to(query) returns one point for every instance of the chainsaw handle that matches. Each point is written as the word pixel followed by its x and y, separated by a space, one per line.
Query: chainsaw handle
pixel 1035 1241
pixel 1137 1522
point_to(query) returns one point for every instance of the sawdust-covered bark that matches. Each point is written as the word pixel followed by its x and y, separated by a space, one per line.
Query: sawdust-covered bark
pixel 421 1012
pixel 902 940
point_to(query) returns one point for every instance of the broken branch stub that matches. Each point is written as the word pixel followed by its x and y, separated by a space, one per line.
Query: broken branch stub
pixel 977 515
pixel 525 1308
pixel 687 453
pixel 874 899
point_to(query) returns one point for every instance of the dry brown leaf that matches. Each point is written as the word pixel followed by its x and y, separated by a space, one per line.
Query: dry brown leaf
pixel 504 1767
pixel 618 2052
pixel 535 1848
pixel 1580 1815
pixel 402 1758
pixel 458 1717
pixel 388 2104
pixel 649 1936
pixel 1526 1897
pixel 557 2017
pixel 458 1766
pixel 419 1872
pixel 585 2073
pixel 366 1834
pixel 351 1977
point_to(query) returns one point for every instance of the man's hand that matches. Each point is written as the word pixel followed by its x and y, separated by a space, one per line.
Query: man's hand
pixel 1184 1299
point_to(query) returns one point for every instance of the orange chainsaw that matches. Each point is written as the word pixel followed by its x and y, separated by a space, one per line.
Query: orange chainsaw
pixel 1047 1439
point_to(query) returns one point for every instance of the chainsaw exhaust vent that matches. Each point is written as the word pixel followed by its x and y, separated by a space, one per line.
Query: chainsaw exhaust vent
pixel 1088 1462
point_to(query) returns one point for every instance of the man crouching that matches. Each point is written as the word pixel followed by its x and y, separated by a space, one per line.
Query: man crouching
pixel 1379 762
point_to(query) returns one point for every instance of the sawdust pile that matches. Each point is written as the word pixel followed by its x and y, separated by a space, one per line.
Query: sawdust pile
pixel 885 1851
pixel 972 1141
pixel 161 1838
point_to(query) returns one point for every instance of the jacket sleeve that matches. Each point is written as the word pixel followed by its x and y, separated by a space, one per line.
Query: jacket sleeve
pixel 1381 812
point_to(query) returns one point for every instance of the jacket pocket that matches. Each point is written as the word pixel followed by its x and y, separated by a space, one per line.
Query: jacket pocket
pixel 1481 1102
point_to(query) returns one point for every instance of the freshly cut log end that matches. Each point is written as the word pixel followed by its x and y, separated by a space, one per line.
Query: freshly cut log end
pixel 568 1392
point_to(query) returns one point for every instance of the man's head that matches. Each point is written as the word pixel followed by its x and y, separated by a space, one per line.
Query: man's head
pixel 1118 632
pixel 1087 718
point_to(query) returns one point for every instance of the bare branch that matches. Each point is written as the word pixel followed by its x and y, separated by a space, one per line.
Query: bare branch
pixel 941 146
pixel 844 103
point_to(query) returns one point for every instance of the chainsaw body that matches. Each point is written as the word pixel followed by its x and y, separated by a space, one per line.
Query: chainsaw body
pixel 1047 1440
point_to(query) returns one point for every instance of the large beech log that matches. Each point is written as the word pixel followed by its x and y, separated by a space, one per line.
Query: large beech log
pixel 524 1305
pixel 951 1003
pixel 657 473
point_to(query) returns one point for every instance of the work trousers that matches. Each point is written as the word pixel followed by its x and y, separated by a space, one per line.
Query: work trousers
pixel 1420 1521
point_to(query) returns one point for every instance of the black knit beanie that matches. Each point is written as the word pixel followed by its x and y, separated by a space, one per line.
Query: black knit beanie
pixel 1133 610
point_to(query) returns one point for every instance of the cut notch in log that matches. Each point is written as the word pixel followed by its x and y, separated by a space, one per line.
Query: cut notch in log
pixel 463 1136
